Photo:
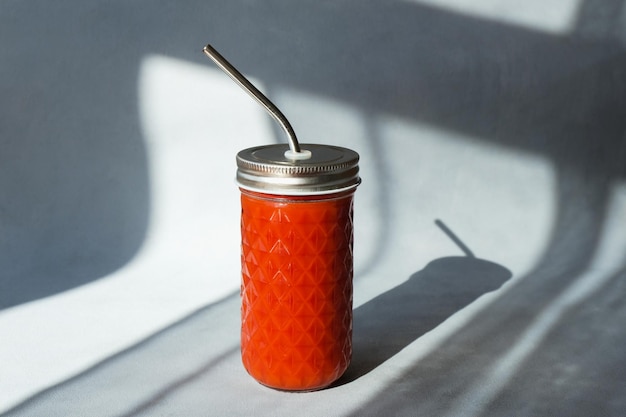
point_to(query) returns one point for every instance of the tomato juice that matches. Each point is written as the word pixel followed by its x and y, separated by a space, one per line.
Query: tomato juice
pixel 296 289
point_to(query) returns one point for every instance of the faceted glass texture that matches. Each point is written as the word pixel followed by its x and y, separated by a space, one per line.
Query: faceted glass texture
pixel 296 291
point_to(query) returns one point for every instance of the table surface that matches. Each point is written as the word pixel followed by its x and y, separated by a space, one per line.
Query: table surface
pixel 490 226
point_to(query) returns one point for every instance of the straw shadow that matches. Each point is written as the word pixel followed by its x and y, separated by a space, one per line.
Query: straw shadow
pixel 388 323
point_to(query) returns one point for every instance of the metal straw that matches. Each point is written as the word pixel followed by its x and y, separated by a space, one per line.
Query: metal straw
pixel 237 77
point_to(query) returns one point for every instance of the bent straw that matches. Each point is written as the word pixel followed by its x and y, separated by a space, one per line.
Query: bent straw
pixel 247 86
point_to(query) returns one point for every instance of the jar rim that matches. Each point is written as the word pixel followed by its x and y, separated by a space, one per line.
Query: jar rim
pixel 267 169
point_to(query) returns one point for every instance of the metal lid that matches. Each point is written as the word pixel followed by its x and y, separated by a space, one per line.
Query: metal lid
pixel 268 169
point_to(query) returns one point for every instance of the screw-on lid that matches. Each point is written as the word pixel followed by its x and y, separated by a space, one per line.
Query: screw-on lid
pixel 268 169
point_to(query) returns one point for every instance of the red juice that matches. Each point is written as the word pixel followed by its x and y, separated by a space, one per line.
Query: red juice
pixel 296 288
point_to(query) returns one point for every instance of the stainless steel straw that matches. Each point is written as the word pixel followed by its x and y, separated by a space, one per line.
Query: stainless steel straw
pixel 224 65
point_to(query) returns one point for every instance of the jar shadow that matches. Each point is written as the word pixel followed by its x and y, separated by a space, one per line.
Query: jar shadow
pixel 391 321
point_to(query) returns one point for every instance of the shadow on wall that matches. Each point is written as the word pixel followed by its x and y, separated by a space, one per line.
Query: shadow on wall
pixel 391 321
pixel 74 198
pixel 388 323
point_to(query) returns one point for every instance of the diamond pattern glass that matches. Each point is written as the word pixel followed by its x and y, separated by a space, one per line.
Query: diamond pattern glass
pixel 296 290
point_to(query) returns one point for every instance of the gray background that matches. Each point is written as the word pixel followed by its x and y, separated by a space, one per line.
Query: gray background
pixel 393 80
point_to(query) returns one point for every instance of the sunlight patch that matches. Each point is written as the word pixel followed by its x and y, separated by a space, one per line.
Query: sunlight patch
pixel 552 16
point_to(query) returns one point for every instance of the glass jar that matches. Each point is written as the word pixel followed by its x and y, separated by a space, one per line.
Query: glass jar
pixel 297 264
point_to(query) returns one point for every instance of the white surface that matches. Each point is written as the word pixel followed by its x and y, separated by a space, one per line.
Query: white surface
pixel 158 335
